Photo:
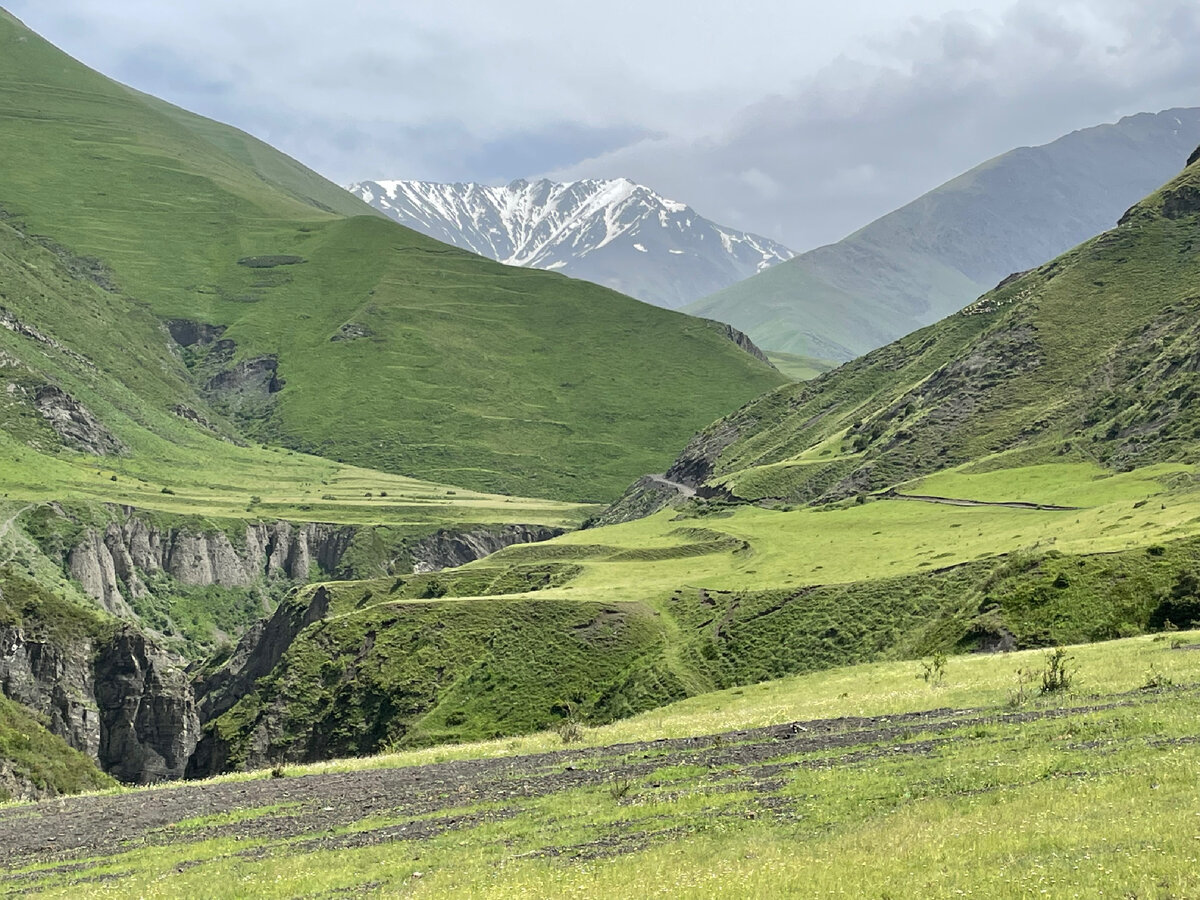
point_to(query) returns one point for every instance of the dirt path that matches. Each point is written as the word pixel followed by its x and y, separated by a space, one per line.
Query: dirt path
pixel 8 523
pixel 419 801
pixel 673 485
pixel 958 501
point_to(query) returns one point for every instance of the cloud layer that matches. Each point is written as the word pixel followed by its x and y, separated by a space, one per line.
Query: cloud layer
pixel 867 133
pixel 782 118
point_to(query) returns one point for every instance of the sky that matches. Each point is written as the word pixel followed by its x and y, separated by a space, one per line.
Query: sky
pixel 797 120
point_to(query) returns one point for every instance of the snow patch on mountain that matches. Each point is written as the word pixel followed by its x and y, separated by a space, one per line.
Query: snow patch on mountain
pixel 613 232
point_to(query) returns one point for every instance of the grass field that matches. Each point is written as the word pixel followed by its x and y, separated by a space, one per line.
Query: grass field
pixel 973 786
pixel 220 480
pixel 810 546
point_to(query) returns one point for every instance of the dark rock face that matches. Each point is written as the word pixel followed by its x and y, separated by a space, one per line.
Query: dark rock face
pixel 448 549
pixel 255 377
pixel 1195 157
pixel 74 423
pixel 187 333
pixel 1182 201
pixel 55 680
pixel 696 463
pixel 257 653
pixel 148 719
pixel 742 340
pixel 124 702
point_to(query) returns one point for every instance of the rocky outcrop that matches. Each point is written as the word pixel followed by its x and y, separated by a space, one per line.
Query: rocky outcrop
pixel 258 652
pixel 1194 158
pixel 695 465
pixel 448 549
pixel 1181 201
pixel 187 333
pixel 54 679
pixel 741 339
pixel 352 331
pixel 122 700
pixel 74 423
pixel 15 785
pixel 24 329
pixel 148 719
pixel 250 379
pixel 684 480
pixel 110 564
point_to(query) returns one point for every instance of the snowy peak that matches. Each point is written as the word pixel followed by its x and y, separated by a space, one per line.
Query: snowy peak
pixel 613 232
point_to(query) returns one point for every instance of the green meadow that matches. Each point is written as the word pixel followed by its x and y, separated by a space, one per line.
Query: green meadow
pixel 974 785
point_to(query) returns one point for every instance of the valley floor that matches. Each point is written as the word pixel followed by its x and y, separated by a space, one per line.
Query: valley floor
pixel 968 782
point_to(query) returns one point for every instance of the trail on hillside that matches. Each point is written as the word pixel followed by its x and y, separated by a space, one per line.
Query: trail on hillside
pixel 674 485
pixel 313 812
pixel 8 523
pixel 959 501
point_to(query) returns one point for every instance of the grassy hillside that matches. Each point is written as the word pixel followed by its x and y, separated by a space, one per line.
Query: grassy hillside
pixel 938 253
pixel 331 329
pixel 800 368
pixel 917 787
pixel 1087 357
pixel 605 622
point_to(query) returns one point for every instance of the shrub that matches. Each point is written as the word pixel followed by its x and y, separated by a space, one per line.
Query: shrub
pixel 933 670
pixel 570 729
pixel 1057 675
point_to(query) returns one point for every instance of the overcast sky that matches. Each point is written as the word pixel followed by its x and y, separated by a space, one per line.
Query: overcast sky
pixel 799 120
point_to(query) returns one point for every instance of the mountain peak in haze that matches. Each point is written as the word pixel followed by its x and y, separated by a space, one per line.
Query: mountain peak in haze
pixel 613 232
pixel 936 254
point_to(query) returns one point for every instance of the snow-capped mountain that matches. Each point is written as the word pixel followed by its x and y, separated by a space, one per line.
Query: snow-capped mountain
pixel 615 233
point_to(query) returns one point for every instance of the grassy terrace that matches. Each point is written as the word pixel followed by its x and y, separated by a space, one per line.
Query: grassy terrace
pixel 770 548
pixel 977 785
pixel 288 485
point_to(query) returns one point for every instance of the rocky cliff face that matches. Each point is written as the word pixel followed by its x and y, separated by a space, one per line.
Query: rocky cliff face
pixel 448 549
pixel 117 696
pixel 257 653
pixel 149 723
pixel 110 564
pixel 123 701
pixel 56 680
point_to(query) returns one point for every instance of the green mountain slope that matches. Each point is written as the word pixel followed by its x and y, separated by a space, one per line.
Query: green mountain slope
pixel 1090 356
pixel 326 327
pixel 933 256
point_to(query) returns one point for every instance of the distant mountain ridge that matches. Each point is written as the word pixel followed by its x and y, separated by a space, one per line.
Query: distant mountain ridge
pixel 612 232
pixel 935 255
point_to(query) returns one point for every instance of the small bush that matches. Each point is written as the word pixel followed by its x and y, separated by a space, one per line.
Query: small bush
pixel 933 670
pixel 1156 680
pixel 619 788
pixel 570 729
pixel 1020 695
pixel 1057 675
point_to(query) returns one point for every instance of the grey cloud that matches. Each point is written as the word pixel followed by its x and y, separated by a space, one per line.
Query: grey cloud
pixel 745 112
pixel 863 136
